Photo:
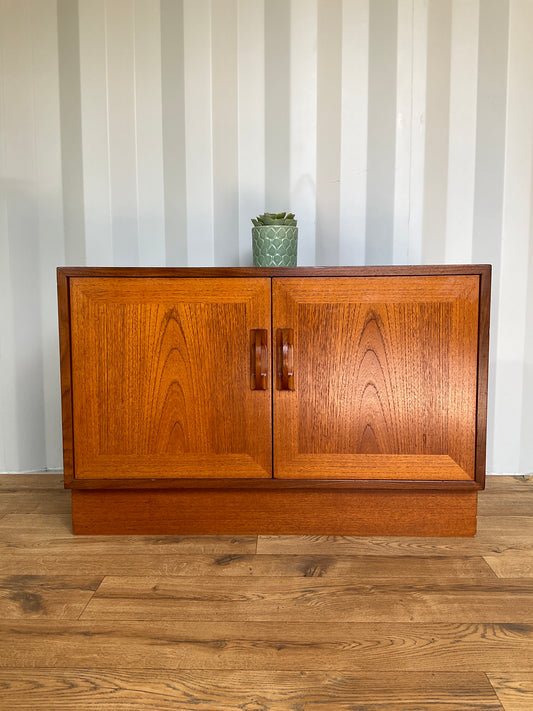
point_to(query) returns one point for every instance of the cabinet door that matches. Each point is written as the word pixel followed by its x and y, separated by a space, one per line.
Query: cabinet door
pixel 384 371
pixel 161 381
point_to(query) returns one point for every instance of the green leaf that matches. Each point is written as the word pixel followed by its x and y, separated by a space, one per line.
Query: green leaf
pixel 275 218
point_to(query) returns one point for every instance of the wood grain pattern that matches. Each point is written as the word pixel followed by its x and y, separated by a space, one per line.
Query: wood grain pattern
pixel 44 542
pixel 318 600
pixel 511 564
pixel 510 484
pixel 506 526
pixel 387 394
pixel 145 559
pixel 515 691
pixel 386 377
pixel 295 646
pixel 506 504
pixel 34 482
pixel 160 384
pixel 34 502
pixel 365 513
pixel 382 546
pixel 35 524
pixel 37 596
pixel 226 691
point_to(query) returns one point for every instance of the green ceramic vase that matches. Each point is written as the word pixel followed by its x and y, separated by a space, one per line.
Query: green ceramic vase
pixel 275 245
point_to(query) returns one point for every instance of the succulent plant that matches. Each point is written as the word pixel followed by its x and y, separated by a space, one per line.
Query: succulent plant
pixel 275 218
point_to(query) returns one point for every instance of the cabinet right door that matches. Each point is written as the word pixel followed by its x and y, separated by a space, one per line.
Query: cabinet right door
pixel 376 377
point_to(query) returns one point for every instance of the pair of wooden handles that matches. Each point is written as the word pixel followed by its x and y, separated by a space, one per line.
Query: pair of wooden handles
pixel 259 359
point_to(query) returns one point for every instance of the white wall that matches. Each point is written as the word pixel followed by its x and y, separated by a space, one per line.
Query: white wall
pixel 144 132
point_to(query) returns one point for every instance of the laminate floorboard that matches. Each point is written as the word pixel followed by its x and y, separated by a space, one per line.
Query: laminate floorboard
pixel 36 561
pixel 512 564
pixel 274 646
pixel 509 484
pixel 45 501
pixel 32 482
pixel 38 596
pixel 503 503
pixel 268 623
pixel 515 691
pixel 478 547
pixel 158 690
pixel 316 600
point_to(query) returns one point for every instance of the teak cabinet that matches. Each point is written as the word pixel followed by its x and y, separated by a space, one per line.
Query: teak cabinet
pixel 347 401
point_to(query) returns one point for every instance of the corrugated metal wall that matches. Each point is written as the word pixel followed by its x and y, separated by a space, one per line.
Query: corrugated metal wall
pixel 144 132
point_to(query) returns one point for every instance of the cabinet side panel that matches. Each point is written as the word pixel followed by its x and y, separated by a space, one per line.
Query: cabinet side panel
pixel 483 374
pixel 63 302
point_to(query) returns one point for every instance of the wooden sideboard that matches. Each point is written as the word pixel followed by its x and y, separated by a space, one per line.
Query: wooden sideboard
pixel 327 401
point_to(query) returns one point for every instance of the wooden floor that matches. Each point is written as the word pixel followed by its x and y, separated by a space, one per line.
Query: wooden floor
pixel 263 623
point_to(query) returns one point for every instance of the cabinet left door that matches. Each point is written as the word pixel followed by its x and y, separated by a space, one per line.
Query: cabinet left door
pixel 161 377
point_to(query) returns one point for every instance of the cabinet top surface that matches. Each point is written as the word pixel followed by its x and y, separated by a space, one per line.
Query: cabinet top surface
pixel 235 272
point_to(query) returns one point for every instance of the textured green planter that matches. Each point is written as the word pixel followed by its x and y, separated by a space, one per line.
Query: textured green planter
pixel 275 245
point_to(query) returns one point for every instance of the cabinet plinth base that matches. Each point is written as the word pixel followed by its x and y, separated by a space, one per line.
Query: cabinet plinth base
pixel 289 512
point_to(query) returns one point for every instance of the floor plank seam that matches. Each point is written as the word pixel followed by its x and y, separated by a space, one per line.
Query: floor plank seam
pixel 266 616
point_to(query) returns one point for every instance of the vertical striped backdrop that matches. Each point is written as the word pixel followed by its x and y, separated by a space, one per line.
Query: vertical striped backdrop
pixel 149 132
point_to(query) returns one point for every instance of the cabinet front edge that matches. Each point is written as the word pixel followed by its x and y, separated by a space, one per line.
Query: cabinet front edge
pixel 235 272
pixel 271 484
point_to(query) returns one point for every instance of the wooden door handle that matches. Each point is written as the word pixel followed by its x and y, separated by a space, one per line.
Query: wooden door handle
pixel 285 351
pixel 258 358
